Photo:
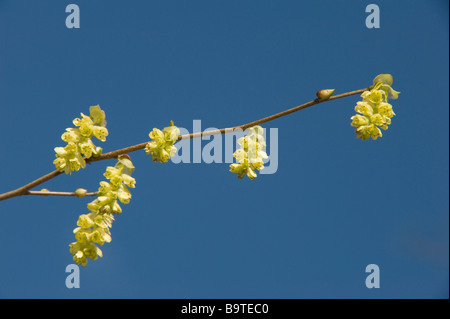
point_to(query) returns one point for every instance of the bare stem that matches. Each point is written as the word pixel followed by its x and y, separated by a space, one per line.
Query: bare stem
pixel 49 193
pixel 25 190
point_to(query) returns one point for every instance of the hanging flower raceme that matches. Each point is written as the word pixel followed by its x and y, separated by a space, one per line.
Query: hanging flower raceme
pixel 79 144
pixel 251 154
pixel 161 148
pixel 93 228
pixel 374 110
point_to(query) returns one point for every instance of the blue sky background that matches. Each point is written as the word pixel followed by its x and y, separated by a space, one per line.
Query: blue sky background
pixel 336 203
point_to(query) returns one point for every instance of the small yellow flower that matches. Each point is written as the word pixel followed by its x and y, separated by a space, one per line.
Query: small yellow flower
pixel 68 158
pixel 97 115
pixel 86 126
pixel 80 258
pixel 87 148
pixel 100 133
pixel 84 221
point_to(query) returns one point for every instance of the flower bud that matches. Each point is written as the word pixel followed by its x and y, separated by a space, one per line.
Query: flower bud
pixel 80 192
pixel 325 94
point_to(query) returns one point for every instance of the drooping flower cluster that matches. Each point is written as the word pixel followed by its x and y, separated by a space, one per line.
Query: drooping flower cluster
pixel 79 144
pixel 93 228
pixel 251 154
pixel 161 148
pixel 375 111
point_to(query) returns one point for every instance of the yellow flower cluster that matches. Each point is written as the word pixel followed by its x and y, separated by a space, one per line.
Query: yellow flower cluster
pixel 251 154
pixel 374 110
pixel 161 148
pixel 79 143
pixel 93 228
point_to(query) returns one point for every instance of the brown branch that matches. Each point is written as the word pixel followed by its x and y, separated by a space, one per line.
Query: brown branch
pixel 24 189
pixel 50 193
pixel 243 127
